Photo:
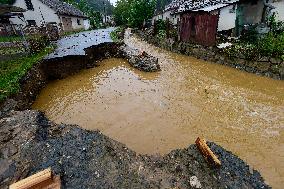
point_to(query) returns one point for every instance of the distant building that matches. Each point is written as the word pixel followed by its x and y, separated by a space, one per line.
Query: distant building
pixel 169 13
pixel 107 19
pixel 42 12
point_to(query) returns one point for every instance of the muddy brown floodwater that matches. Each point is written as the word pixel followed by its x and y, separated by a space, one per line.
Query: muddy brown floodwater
pixel 158 112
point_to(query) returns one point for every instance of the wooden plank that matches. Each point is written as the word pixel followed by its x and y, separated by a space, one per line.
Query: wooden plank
pixel 54 183
pixel 33 180
pixel 207 153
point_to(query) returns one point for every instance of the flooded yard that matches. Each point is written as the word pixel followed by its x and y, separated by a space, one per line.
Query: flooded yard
pixel 159 112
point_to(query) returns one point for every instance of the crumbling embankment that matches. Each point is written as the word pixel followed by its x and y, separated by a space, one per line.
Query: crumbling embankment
pixel 29 142
pixel 60 67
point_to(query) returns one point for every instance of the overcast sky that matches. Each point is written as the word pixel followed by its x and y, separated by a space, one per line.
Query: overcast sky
pixel 113 1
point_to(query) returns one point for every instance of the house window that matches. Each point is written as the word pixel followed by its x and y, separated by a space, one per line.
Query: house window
pixel 31 22
pixel 78 21
pixel 29 5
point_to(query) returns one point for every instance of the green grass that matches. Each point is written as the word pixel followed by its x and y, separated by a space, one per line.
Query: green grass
pixel 12 71
pixel 10 39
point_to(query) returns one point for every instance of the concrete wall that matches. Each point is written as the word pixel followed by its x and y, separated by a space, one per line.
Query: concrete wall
pixel 279 4
pixel 87 24
pixel 227 18
pixel 252 13
pixel 40 11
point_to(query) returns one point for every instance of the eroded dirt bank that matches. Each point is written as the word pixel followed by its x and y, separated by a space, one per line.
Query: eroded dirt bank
pixel 29 142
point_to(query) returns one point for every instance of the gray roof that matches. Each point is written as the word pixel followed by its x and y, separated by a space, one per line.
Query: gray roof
pixel 196 5
pixel 63 8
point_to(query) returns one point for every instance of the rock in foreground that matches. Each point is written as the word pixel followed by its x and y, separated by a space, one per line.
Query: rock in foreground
pixel 88 159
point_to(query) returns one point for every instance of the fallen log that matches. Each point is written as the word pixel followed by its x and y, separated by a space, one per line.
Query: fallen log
pixel 207 153
pixel 43 179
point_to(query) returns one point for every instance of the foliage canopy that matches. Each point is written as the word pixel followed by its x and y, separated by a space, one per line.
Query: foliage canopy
pixel 133 12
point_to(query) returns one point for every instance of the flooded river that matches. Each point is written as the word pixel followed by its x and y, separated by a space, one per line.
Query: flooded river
pixel 158 112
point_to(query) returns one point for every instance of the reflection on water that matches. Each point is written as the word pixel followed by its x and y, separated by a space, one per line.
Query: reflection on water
pixel 158 112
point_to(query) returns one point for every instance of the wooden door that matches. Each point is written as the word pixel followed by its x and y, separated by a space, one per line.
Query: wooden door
pixel 67 24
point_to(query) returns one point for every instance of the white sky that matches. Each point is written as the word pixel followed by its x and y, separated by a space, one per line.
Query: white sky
pixel 113 1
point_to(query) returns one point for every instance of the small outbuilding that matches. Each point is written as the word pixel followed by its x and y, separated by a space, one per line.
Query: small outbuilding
pixel 201 20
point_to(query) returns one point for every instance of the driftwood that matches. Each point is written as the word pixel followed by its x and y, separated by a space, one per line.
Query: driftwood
pixel 41 180
pixel 207 153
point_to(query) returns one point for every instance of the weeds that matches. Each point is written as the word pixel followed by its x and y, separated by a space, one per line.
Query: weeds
pixel 12 71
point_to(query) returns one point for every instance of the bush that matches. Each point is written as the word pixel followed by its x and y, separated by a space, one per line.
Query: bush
pixel 250 35
pixel 271 45
pixel 160 25
pixel 277 27
pixel 162 35
pixel 38 43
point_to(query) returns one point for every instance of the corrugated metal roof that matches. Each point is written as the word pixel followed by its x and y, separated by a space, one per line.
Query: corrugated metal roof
pixel 211 8
pixel 204 5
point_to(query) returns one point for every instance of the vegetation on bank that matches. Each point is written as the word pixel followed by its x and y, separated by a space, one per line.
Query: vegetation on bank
pixel 13 70
pixel 254 46
pixel 250 46
pixel 133 12
pixel 117 34
pixel 11 38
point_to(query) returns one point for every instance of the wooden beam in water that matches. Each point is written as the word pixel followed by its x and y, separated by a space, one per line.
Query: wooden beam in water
pixel 207 153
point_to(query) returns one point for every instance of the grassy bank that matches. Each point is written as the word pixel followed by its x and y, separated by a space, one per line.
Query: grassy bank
pixel 11 39
pixel 12 71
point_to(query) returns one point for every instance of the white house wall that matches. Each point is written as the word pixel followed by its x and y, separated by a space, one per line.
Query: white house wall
pixel 279 9
pixel 87 24
pixel 226 18
pixel 40 11
pixel 167 15
pixel 75 24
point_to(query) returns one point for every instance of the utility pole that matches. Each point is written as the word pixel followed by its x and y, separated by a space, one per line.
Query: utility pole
pixel 105 11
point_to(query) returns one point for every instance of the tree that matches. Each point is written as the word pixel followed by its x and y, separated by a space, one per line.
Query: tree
pixel 133 12
pixel 9 2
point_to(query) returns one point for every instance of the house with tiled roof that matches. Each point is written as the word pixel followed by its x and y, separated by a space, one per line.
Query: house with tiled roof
pixel 169 13
pixel 42 12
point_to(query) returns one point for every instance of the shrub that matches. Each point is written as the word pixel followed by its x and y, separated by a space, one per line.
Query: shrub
pixel 38 43
pixel 162 34
pixel 250 35
pixel 271 45
pixel 161 25
pixel 277 27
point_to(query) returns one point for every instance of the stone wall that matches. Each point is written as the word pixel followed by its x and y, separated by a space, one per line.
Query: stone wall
pixel 269 67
